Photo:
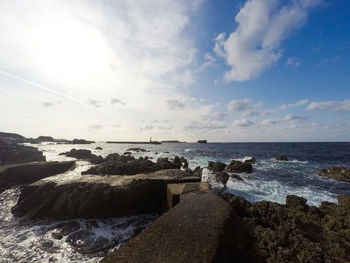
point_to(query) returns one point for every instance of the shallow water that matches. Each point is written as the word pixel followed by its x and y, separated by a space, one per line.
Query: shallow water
pixel 89 240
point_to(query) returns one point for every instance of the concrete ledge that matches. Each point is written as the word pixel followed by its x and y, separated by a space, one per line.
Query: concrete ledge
pixel 189 232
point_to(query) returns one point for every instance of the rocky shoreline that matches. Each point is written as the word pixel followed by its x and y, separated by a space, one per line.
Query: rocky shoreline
pixel 195 224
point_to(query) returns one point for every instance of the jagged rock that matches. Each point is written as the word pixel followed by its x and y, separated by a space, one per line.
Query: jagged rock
pixel 250 160
pixel 238 167
pixel 98 196
pixel 81 141
pixel 136 150
pixel 271 232
pixel 216 166
pixel 235 176
pixel 84 155
pixel 26 173
pixel 337 173
pixel 197 171
pixel 221 176
pixel 281 158
pixel 14 153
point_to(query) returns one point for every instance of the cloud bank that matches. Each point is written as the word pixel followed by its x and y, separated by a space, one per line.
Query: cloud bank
pixel 262 25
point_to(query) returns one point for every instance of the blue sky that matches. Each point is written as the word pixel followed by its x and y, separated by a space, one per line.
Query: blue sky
pixel 257 70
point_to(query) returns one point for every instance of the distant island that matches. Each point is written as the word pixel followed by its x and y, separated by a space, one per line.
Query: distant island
pixel 202 141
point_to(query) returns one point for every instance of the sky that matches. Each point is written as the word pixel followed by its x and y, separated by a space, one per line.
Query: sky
pixel 225 71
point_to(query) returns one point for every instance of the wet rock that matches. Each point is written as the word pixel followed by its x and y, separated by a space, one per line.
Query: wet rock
pixel 281 158
pixel 237 177
pixel 15 153
pixel 129 166
pixel 98 196
pixel 84 155
pixel 221 177
pixel 238 167
pixel 335 172
pixel 216 166
pixel 98 148
pixel 127 153
pixel 136 150
pixel 45 139
pixel 250 160
pixel 197 171
pixel 271 232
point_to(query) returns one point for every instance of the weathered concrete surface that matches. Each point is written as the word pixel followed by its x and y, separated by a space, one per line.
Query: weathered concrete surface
pixel 26 173
pixel 189 232
pixel 174 191
pixel 98 196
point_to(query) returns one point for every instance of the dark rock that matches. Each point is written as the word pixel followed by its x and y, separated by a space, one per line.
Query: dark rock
pixel 81 141
pixel 222 177
pixel 235 176
pixel 11 137
pixel 216 166
pixel 281 158
pixel 271 232
pixel 238 167
pixel 98 196
pixel 197 171
pixel 83 154
pixel 136 150
pixel 202 141
pixel 98 148
pixel 337 173
pixel 26 173
pixel 127 153
pixel 296 202
pixel 45 139
pixel 15 153
pixel 250 160
pixel 78 154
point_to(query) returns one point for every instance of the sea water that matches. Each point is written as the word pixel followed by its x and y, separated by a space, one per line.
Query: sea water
pixel 89 240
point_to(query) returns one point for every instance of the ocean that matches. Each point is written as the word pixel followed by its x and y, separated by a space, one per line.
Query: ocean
pixel 90 240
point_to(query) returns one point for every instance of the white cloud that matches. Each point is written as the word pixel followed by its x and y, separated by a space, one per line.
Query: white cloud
pixel 292 117
pixel 262 26
pixel 296 104
pixel 293 62
pixel 242 123
pixel 89 52
pixel 239 105
pixel 336 106
pixel 268 122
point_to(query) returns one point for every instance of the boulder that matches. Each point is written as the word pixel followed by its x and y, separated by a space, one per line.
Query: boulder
pixel 98 196
pixel 221 177
pixel 26 173
pixel 271 232
pixel 250 160
pixel 337 173
pixel 216 166
pixel 189 232
pixel 281 158
pixel 84 154
pixel 15 153
pixel 238 167
pixel 98 148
